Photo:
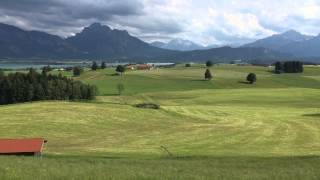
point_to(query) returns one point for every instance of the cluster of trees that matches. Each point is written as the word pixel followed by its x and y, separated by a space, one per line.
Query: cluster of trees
pixel 95 66
pixel 289 67
pixel 120 69
pixel 34 86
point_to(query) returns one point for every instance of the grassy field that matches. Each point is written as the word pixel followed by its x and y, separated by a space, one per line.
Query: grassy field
pixel 220 129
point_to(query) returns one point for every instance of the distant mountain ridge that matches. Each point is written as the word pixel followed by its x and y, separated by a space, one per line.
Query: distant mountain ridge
pixel 101 42
pixel 18 43
pixel 178 45
pixel 182 45
pixel 291 42
pixel 96 41
pixel 225 54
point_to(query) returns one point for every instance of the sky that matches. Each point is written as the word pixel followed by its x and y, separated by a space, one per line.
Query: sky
pixel 206 22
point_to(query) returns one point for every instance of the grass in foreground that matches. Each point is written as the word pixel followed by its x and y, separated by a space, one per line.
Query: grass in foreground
pixel 182 168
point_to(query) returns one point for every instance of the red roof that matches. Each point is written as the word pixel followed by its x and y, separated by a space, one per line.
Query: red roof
pixel 34 145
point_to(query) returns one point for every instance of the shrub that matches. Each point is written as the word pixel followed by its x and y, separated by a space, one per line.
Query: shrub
pixel 148 106
pixel 208 75
pixel 252 78
pixel 188 65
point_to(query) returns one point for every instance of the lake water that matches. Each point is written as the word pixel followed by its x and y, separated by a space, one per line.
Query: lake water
pixel 16 65
pixel 37 65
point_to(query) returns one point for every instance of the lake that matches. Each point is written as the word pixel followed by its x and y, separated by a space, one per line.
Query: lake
pixel 39 65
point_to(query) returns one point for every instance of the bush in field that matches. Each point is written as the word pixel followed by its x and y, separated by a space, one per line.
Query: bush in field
pixel 209 64
pixel 94 66
pixel 120 69
pixel 188 65
pixel 33 86
pixel 77 71
pixel 252 78
pixel 103 65
pixel 148 106
pixel 207 75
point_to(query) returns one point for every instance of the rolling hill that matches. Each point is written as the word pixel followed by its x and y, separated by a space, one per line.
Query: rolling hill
pixel 221 128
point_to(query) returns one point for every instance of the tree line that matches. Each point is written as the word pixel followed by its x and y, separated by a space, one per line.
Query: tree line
pixel 289 67
pixel 33 86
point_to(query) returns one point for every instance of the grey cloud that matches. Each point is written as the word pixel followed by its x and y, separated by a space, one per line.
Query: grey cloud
pixel 153 25
pixel 53 15
pixel 85 9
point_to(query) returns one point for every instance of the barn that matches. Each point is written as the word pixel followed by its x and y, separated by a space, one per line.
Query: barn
pixel 25 147
pixel 144 67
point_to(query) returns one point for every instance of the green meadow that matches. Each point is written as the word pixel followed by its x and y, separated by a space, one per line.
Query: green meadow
pixel 219 129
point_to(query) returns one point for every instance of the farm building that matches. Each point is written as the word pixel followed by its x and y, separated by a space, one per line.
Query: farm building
pixel 27 147
pixel 144 67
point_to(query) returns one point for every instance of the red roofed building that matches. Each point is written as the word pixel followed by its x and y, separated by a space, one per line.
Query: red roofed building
pixel 22 146
pixel 144 67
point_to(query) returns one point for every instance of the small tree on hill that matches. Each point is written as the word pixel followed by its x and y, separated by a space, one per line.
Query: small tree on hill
pixel 77 71
pixel 209 64
pixel 120 69
pixel 94 66
pixel 103 65
pixel 252 78
pixel 207 75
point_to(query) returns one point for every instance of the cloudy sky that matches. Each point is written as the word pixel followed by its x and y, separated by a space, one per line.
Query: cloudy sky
pixel 202 21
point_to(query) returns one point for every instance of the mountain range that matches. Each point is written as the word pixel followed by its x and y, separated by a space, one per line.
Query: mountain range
pixel 101 42
pixel 291 42
pixel 94 42
pixel 185 45
pixel 178 45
